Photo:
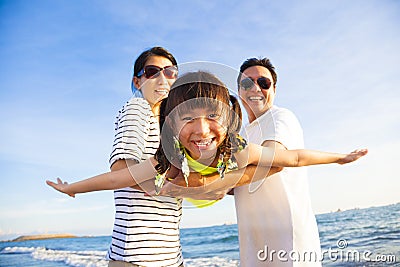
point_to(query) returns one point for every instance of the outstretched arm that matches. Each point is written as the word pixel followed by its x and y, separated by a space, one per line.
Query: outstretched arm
pixel 267 156
pixel 304 157
pixel 110 180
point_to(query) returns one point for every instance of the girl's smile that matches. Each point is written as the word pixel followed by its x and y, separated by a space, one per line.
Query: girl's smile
pixel 203 144
pixel 201 132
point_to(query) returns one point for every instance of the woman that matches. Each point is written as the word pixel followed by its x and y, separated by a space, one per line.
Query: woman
pixel 146 229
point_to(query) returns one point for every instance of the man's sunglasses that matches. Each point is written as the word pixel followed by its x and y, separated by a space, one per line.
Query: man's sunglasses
pixel 152 72
pixel 248 83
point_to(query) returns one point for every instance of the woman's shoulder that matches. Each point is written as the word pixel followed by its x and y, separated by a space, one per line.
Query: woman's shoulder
pixel 136 105
pixel 135 109
pixel 138 102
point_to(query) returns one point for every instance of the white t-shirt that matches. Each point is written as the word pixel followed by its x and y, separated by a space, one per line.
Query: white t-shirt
pixel 146 229
pixel 276 214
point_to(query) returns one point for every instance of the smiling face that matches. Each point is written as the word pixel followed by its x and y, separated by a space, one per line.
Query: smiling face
pixel 200 130
pixel 255 100
pixel 154 89
pixel 199 114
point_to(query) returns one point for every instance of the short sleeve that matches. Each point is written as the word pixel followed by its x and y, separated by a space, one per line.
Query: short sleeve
pixel 131 130
pixel 287 129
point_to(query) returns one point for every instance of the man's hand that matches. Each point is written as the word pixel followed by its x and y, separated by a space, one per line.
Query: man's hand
pixel 353 156
pixel 197 189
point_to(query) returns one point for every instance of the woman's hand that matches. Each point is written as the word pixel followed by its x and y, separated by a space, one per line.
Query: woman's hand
pixel 61 187
pixel 353 156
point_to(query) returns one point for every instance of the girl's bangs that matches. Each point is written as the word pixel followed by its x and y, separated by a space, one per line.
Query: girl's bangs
pixel 210 104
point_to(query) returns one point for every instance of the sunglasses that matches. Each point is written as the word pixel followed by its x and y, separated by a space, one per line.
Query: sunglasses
pixel 248 83
pixel 152 72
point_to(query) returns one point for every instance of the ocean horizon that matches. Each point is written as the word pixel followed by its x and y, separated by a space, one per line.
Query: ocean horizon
pixel 12 237
pixel 356 237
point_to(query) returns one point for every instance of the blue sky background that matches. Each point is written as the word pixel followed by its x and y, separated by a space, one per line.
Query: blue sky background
pixel 65 70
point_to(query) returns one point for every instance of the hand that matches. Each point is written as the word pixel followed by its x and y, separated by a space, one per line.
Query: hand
pixel 173 172
pixel 177 188
pixel 175 176
pixel 173 189
pixel 170 189
pixel 353 156
pixel 60 186
pixel 216 195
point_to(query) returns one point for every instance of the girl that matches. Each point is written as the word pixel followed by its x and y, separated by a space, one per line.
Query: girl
pixel 199 123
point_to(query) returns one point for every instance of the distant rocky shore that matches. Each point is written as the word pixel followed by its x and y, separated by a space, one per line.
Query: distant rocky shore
pixel 38 237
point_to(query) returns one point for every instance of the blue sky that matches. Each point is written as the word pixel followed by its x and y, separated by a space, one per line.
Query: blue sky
pixel 65 70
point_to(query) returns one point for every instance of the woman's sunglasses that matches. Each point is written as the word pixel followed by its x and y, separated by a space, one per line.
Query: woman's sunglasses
pixel 248 83
pixel 152 72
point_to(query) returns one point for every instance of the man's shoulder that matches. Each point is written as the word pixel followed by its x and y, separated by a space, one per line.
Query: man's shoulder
pixel 280 111
pixel 282 125
pixel 276 113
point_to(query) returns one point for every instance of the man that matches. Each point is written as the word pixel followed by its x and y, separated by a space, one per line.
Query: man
pixel 276 223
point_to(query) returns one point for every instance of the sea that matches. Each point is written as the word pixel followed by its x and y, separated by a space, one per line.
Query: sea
pixel 357 237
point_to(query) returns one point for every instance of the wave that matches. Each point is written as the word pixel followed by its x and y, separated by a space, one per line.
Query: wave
pixel 97 258
pixel 17 250
pixel 72 258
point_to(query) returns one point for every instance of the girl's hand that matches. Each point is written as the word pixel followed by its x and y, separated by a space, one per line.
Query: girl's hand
pixel 353 156
pixel 60 186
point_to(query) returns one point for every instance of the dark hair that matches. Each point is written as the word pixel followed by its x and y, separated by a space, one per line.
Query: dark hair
pixel 203 90
pixel 154 51
pixel 264 62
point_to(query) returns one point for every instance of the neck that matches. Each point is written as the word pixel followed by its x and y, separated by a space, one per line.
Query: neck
pixel 252 117
pixel 155 109
pixel 212 162
pixel 209 161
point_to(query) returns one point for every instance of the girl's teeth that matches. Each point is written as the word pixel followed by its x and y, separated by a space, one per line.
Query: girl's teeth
pixel 203 143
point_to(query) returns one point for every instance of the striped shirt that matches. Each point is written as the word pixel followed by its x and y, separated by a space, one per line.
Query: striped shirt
pixel 146 229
